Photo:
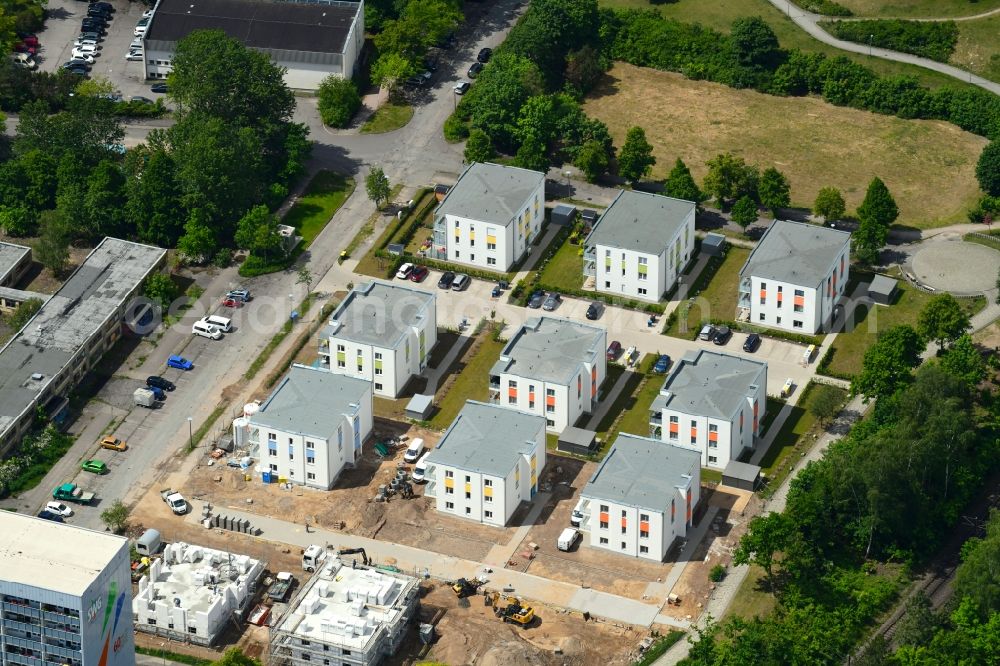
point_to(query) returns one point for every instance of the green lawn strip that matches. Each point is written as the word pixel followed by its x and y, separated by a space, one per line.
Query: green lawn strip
pixel 714 291
pixel 849 348
pixel 993 241
pixel 471 383
pixel 395 232
pixel 326 193
pixel 565 268
pixel 173 656
pixel 709 475
pixel 750 599
pixel 387 118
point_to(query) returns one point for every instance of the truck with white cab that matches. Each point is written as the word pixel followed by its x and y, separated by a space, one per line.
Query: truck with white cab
pixel 313 557
pixel 175 501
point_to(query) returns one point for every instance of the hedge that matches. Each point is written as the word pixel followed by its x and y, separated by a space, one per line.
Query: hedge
pixel 825 7
pixel 929 39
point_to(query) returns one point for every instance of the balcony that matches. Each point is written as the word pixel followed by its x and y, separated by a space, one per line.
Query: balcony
pixel 589 268
pixel 323 347
pixel 656 418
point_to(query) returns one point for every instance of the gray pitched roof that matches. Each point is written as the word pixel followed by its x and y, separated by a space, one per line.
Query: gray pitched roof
pixel 550 349
pixel 310 401
pixel 641 472
pixel 378 313
pixel 490 192
pixel 706 383
pixel 795 252
pixel 640 221
pixel 487 439
pixel 10 256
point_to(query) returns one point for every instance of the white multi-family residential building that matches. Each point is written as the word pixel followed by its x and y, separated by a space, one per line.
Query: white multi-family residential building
pixel 795 277
pixel 310 428
pixel 488 462
pixel 489 217
pixel 642 497
pixel 640 245
pixel 66 595
pixel 712 403
pixel 383 332
pixel 551 367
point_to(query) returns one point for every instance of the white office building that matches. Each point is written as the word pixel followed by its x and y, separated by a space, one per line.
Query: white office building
pixel 65 595
pixel 642 498
pixel 487 463
pixel 489 217
pixel 311 427
pixel 712 403
pixel 795 277
pixel 383 333
pixel 551 367
pixel 194 592
pixel 345 615
pixel 640 245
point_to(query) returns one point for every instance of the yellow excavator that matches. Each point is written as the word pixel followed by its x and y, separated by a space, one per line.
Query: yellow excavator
pixel 511 609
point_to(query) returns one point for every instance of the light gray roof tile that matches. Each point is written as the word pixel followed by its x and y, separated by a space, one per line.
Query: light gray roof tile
pixel 490 192
pixel 710 384
pixel 310 401
pixel 641 472
pixel 487 439
pixel 640 221
pixel 550 349
pixel 795 252
pixel 378 313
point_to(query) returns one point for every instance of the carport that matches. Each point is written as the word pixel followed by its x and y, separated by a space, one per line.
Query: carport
pixel 577 441
pixel 882 290
pixel 419 407
pixel 741 475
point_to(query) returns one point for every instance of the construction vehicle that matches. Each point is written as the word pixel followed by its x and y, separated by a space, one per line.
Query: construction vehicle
pixel 313 557
pixel 511 609
pixel 355 551
pixel 282 585
pixel 466 588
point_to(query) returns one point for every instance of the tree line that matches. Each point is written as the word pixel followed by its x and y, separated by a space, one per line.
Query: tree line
pixel 929 39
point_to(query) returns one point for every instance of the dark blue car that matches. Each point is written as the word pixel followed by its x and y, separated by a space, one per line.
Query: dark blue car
pixel 662 364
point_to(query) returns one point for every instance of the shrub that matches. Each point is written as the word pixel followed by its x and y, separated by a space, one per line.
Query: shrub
pixel 717 573
pixel 338 101
pixel 825 7
pixel 929 39
pixel 455 129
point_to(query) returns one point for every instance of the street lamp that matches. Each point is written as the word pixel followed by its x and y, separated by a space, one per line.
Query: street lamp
pixel 870 38
pixel 190 432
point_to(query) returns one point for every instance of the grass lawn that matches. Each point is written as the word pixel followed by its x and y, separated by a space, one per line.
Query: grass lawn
pixel 472 383
pixel 326 193
pixel 929 166
pixel 565 268
pixel 993 242
pixel 775 463
pixel 387 118
pixel 918 8
pixel 718 300
pixel 751 600
pixel 709 475
pixel 978 48
pixel 720 14
pixel 849 348
pixel 635 421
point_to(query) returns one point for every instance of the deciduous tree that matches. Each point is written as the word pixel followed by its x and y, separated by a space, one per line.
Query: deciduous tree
pixel 829 204
pixel 592 160
pixel 23 313
pixel 52 246
pixel 744 212
pixel 730 177
pixel 888 363
pixel 338 100
pixel 766 536
pixel 115 517
pixel 965 360
pixel 160 289
pixel 943 320
pixel 635 159
pixel 377 187
pixel 774 190
pixel 390 69
pixel 681 185
pixel 988 169
pixel 478 147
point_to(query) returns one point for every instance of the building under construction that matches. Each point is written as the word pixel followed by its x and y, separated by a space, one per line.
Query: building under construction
pixel 346 614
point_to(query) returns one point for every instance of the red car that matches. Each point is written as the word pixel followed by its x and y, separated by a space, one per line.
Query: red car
pixel 418 273
pixel 232 303
pixel 22 47
pixel 30 40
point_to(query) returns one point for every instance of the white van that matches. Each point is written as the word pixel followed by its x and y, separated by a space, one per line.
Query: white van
pixel 414 450
pixel 206 330
pixel 420 469
pixel 576 518
pixel 224 324
pixel 568 538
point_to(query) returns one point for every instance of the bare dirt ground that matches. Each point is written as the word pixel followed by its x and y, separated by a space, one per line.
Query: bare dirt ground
pixel 349 507
pixel 468 633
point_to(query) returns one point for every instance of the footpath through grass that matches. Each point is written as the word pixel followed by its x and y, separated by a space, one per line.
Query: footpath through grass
pixel 326 193
pixel 387 118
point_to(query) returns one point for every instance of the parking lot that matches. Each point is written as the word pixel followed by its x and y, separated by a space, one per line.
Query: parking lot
pixel 63 26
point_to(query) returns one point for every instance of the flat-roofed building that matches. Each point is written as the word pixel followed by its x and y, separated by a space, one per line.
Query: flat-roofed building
pixel 65 594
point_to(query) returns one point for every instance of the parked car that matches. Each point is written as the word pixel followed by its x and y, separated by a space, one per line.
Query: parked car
pixel 707 332
pixel 614 349
pixel 662 364
pixel 48 515
pixel 95 466
pixel 484 55
pixel 24 60
pixel 462 87
pixel 232 303
pixel 135 56
pixel 552 301
pixel 414 450
pixel 113 444
pixel 179 362
pixel 140 31
pixel 159 88
pixel 160 383
pixel 141 100
pixel 59 509
pixel 595 310
pixel 242 294
pixel 536 300
pixel 787 388
pixel 419 274
pixel 475 69
pixel 85 50
pixel 447 279
pixel 722 335
pixel 30 40
pixel 78 69
pixel 404 271
pixel 752 343
pixel 147 14
pixel 461 283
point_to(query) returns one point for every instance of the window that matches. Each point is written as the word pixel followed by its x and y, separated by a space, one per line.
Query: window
pixel 604 508
pixel 761 317
pixel 643 549
pixel 468 510
pixel 713 459
pixel 800 293
pixel 511 384
pixel 491 261
pixel 449 505
pixel 310 445
pixel 449 490
pixel 624 529
pixel 604 524
pixel 310 457
pixel 310 476
pixel 274 468
pixel 468 495
pixel 457 254
pixel 607 284
pixel 378 370
pixel 550 423
pixel 449 474
pixel 642 291
pixel 378 356
pixel 796 324
pixel 488 514
pixel 488 498
pixel 644 517
pixel 378 387
pixel 778 320
pixel 488 483
pixel 604 541
pixel 624 546
pixel 798 308
pixel 643 534
pixel 512 399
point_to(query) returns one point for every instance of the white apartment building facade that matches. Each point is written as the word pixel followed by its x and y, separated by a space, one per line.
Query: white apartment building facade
pixel 552 367
pixel 487 463
pixel 383 332
pixel 489 217
pixel 642 498
pixel 640 245
pixel 311 427
pixel 795 277
pixel 712 403
pixel 66 595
